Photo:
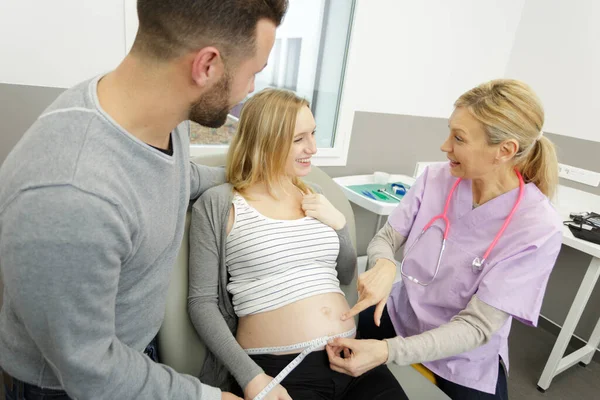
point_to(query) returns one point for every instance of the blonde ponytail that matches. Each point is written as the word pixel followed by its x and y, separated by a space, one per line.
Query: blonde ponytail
pixel 509 109
pixel 540 166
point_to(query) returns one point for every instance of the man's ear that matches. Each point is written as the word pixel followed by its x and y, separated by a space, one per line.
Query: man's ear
pixel 207 67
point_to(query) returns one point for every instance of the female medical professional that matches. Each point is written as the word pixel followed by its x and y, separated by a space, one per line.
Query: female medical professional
pixel 481 240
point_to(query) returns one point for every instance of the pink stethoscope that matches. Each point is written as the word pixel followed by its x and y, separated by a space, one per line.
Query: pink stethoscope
pixel 477 264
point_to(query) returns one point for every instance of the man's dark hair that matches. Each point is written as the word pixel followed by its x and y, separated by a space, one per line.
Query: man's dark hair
pixel 170 28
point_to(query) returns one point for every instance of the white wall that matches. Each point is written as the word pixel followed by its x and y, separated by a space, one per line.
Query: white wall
pixel 406 57
pixel 557 52
pixel 59 43
pixel 416 57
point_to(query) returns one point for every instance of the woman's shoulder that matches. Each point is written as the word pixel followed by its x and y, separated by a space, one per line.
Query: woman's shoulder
pixel 438 171
pixel 538 213
pixel 435 177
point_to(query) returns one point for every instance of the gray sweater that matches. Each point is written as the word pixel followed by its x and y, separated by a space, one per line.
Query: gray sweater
pixel 91 220
pixel 209 303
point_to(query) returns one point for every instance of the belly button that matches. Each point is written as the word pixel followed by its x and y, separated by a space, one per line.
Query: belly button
pixel 326 310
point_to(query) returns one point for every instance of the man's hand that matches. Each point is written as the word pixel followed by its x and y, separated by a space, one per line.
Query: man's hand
pixel 256 385
pixel 374 287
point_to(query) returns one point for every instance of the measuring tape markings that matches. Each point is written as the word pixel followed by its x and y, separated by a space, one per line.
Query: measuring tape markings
pixel 308 347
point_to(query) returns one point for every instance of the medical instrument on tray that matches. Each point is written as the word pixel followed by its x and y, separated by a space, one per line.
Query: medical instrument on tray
pixel 389 194
pixel 398 188
pixel 368 194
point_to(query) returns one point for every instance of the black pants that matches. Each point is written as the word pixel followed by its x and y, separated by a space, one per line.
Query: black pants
pixel 314 379
pixel 368 330
pixel 15 389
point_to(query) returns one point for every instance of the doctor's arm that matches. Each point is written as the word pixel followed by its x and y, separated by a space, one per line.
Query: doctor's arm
pixel 384 245
pixel 375 285
pixel 514 287
pixel 469 329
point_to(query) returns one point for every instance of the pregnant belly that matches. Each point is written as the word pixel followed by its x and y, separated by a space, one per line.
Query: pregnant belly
pixel 304 320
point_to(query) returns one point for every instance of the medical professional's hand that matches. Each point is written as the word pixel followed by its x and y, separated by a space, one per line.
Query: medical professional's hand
pixel 229 396
pixel 374 287
pixel 317 206
pixel 256 385
pixel 364 355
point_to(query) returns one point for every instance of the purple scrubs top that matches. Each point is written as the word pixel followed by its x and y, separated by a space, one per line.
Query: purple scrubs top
pixel 513 278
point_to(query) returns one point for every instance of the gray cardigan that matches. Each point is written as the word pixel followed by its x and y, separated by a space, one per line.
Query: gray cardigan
pixel 209 303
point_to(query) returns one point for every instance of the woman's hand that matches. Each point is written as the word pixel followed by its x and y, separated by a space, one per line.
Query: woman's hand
pixel 374 287
pixel 229 396
pixel 364 355
pixel 256 385
pixel 317 206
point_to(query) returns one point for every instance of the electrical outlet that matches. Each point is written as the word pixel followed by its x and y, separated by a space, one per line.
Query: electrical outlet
pixel 579 175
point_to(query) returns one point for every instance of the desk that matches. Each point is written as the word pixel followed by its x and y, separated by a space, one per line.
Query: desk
pixel 380 208
pixel 567 200
pixel 572 200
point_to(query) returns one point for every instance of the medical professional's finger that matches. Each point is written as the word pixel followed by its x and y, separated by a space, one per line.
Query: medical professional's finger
pixel 339 362
pixel 333 356
pixel 346 342
pixel 337 350
pixel 358 307
pixel 379 311
pixel 347 353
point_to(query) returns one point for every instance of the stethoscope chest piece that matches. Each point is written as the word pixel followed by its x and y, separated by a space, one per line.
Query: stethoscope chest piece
pixel 477 265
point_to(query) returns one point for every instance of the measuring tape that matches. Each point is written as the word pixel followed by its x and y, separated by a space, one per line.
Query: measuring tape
pixel 308 347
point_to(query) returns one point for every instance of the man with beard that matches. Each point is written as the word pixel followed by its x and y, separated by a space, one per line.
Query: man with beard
pixel 93 202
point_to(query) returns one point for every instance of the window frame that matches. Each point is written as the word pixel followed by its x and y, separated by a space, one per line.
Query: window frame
pixel 342 128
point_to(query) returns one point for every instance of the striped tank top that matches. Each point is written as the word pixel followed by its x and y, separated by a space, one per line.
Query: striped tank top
pixel 273 263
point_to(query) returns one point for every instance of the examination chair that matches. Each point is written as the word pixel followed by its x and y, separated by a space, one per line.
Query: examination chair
pixel 180 346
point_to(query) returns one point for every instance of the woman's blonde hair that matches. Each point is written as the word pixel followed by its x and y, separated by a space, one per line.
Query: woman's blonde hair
pixel 509 109
pixel 260 148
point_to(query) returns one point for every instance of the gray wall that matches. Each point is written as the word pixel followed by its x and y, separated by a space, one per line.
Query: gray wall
pixel 21 105
pixel 409 139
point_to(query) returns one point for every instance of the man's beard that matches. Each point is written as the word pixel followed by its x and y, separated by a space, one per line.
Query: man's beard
pixel 212 109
